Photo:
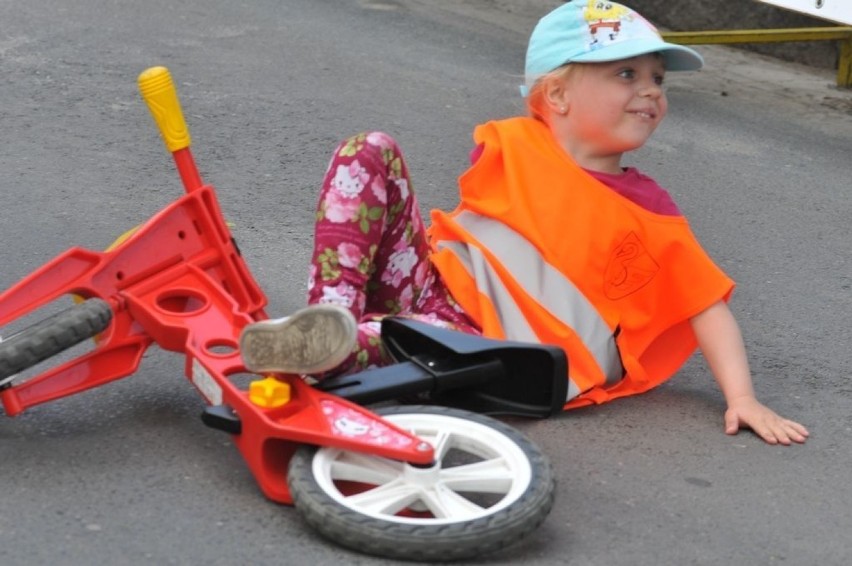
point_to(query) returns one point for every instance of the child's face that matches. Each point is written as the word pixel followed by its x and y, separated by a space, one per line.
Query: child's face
pixel 614 107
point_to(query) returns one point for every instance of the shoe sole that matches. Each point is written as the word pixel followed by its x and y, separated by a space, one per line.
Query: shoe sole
pixel 312 340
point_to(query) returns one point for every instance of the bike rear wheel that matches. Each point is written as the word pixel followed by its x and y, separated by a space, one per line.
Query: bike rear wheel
pixel 489 488
pixel 52 335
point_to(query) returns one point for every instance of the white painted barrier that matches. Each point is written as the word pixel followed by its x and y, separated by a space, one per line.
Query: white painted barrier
pixel 839 11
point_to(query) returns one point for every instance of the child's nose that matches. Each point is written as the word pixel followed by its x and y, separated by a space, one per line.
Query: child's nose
pixel 651 89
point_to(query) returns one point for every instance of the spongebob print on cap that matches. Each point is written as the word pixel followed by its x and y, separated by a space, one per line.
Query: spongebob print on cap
pixel 610 23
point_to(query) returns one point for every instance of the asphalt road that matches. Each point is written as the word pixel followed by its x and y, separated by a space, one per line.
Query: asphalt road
pixel 757 154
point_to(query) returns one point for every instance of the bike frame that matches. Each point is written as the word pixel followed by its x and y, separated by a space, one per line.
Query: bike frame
pixel 179 281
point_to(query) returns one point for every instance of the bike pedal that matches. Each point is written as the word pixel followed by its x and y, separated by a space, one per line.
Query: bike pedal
pixel 222 417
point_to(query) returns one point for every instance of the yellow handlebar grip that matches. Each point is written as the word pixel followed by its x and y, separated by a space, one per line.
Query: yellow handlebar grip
pixel 160 94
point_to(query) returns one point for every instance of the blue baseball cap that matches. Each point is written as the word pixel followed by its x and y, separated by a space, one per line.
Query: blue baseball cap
pixel 597 31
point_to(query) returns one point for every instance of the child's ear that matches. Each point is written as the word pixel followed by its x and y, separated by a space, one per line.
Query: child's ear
pixel 556 96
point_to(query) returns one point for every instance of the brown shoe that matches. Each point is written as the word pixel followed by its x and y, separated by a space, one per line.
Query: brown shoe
pixel 312 340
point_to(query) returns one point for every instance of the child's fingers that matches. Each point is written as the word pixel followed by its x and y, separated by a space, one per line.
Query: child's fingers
pixel 783 431
pixel 795 431
pixel 769 436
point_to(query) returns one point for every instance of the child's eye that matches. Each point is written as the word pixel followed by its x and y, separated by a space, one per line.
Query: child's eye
pixel 627 73
pixel 659 80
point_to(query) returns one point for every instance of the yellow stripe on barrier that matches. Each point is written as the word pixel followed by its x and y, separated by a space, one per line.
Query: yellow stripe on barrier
pixel 843 35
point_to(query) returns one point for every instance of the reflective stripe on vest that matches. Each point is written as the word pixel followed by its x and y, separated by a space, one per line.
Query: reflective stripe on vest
pixel 550 288
pixel 488 282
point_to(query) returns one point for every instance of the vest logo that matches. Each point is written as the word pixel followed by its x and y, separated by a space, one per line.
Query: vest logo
pixel 630 268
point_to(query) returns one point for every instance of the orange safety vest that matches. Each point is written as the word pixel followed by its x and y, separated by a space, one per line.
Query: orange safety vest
pixel 540 251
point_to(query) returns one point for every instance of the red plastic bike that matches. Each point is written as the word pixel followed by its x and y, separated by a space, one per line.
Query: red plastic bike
pixel 427 482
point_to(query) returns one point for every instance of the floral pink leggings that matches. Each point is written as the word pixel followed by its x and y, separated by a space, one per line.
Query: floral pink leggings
pixel 370 249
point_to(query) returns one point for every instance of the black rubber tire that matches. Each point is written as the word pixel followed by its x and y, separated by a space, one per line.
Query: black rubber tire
pixel 52 335
pixel 430 543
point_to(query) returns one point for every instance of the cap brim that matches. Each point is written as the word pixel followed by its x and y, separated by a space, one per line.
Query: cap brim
pixel 675 57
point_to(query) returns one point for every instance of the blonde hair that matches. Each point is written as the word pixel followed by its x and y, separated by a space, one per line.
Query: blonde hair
pixel 537 96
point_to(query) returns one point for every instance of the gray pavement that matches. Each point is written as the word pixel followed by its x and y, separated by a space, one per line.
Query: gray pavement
pixel 756 152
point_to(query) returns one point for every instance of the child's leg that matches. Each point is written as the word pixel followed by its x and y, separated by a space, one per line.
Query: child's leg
pixel 370 251
pixel 354 219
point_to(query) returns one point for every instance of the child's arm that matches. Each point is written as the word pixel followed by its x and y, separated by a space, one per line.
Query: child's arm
pixel 721 343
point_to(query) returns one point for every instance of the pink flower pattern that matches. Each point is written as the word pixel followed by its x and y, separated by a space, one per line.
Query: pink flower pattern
pixel 349 255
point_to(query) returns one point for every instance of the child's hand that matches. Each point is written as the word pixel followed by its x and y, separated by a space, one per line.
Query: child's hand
pixel 765 422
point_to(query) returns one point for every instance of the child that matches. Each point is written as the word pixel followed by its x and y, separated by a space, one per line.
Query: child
pixel 553 240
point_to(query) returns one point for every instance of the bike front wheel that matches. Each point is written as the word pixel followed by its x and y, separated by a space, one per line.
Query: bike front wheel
pixel 489 487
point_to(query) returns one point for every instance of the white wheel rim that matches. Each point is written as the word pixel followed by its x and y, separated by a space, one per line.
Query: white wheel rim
pixel 495 473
